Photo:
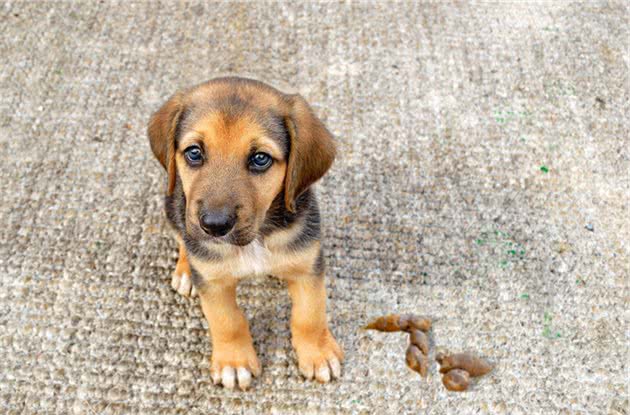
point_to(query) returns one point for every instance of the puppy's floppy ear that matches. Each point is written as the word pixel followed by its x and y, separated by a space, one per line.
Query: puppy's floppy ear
pixel 311 153
pixel 162 129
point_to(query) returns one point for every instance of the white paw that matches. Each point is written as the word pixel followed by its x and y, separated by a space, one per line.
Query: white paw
pixel 182 283
pixel 230 377
pixel 324 372
pixel 319 358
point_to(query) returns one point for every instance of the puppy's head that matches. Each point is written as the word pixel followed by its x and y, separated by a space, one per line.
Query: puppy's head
pixel 238 145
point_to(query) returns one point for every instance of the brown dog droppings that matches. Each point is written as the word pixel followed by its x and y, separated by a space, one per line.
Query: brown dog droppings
pixel 456 380
pixel 439 357
pixel 389 322
pixel 411 321
pixel 396 322
pixel 416 355
pixel 417 361
pixel 472 364
pixel 420 340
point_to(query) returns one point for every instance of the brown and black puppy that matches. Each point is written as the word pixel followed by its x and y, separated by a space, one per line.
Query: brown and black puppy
pixel 240 158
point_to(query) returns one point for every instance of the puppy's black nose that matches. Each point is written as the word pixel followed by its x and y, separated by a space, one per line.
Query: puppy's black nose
pixel 217 223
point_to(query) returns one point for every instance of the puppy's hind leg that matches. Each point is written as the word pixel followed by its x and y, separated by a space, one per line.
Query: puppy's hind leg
pixel 182 277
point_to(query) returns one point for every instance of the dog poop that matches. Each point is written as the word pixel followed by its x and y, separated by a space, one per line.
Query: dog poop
pixel 456 380
pixel 417 361
pixel 472 364
pixel 417 353
pixel 458 368
pixel 397 322
pixel 411 321
pixel 420 340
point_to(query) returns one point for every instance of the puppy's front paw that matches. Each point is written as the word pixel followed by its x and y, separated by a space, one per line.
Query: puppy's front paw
pixel 182 280
pixel 319 356
pixel 182 283
pixel 233 363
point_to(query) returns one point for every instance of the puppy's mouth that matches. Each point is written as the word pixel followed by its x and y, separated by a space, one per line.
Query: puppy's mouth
pixel 238 236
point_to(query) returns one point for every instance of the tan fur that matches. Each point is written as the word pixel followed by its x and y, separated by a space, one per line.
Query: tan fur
pixel 229 144
pixel 228 141
pixel 161 136
pixel 278 240
pixel 240 262
pixel 312 150
pixel 311 338
pixel 257 95
pixel 231 339
pixel 182 266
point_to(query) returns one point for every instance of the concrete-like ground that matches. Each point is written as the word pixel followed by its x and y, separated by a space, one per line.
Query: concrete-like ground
pixel 482 179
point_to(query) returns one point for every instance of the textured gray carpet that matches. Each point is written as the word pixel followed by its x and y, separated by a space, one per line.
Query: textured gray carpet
pixel 483 179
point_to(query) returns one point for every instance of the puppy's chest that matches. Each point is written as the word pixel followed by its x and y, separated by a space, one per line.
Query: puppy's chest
pixel 254 259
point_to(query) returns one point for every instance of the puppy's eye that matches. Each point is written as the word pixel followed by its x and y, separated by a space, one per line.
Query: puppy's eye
pixel 194 156
pixel 260 162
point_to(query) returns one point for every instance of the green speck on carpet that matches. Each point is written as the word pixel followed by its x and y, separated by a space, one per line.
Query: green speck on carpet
pixel 544 169
pixel 547 332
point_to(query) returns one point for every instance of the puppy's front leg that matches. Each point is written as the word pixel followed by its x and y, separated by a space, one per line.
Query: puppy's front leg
pixel 182 278
pixel 233 356
pixel 318 353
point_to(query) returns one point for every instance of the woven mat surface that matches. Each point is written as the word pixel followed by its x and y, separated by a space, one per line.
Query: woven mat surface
pixel 483 180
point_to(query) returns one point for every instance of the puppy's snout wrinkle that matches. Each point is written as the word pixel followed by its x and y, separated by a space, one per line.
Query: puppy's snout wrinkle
pixel 218 222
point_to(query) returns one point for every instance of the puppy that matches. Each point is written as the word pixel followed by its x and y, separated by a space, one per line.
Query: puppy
pixel 241 158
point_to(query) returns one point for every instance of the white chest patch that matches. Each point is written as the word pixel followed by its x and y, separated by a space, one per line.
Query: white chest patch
pixel 253 259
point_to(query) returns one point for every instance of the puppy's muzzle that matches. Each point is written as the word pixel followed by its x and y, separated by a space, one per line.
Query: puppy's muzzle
pixel 217 222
